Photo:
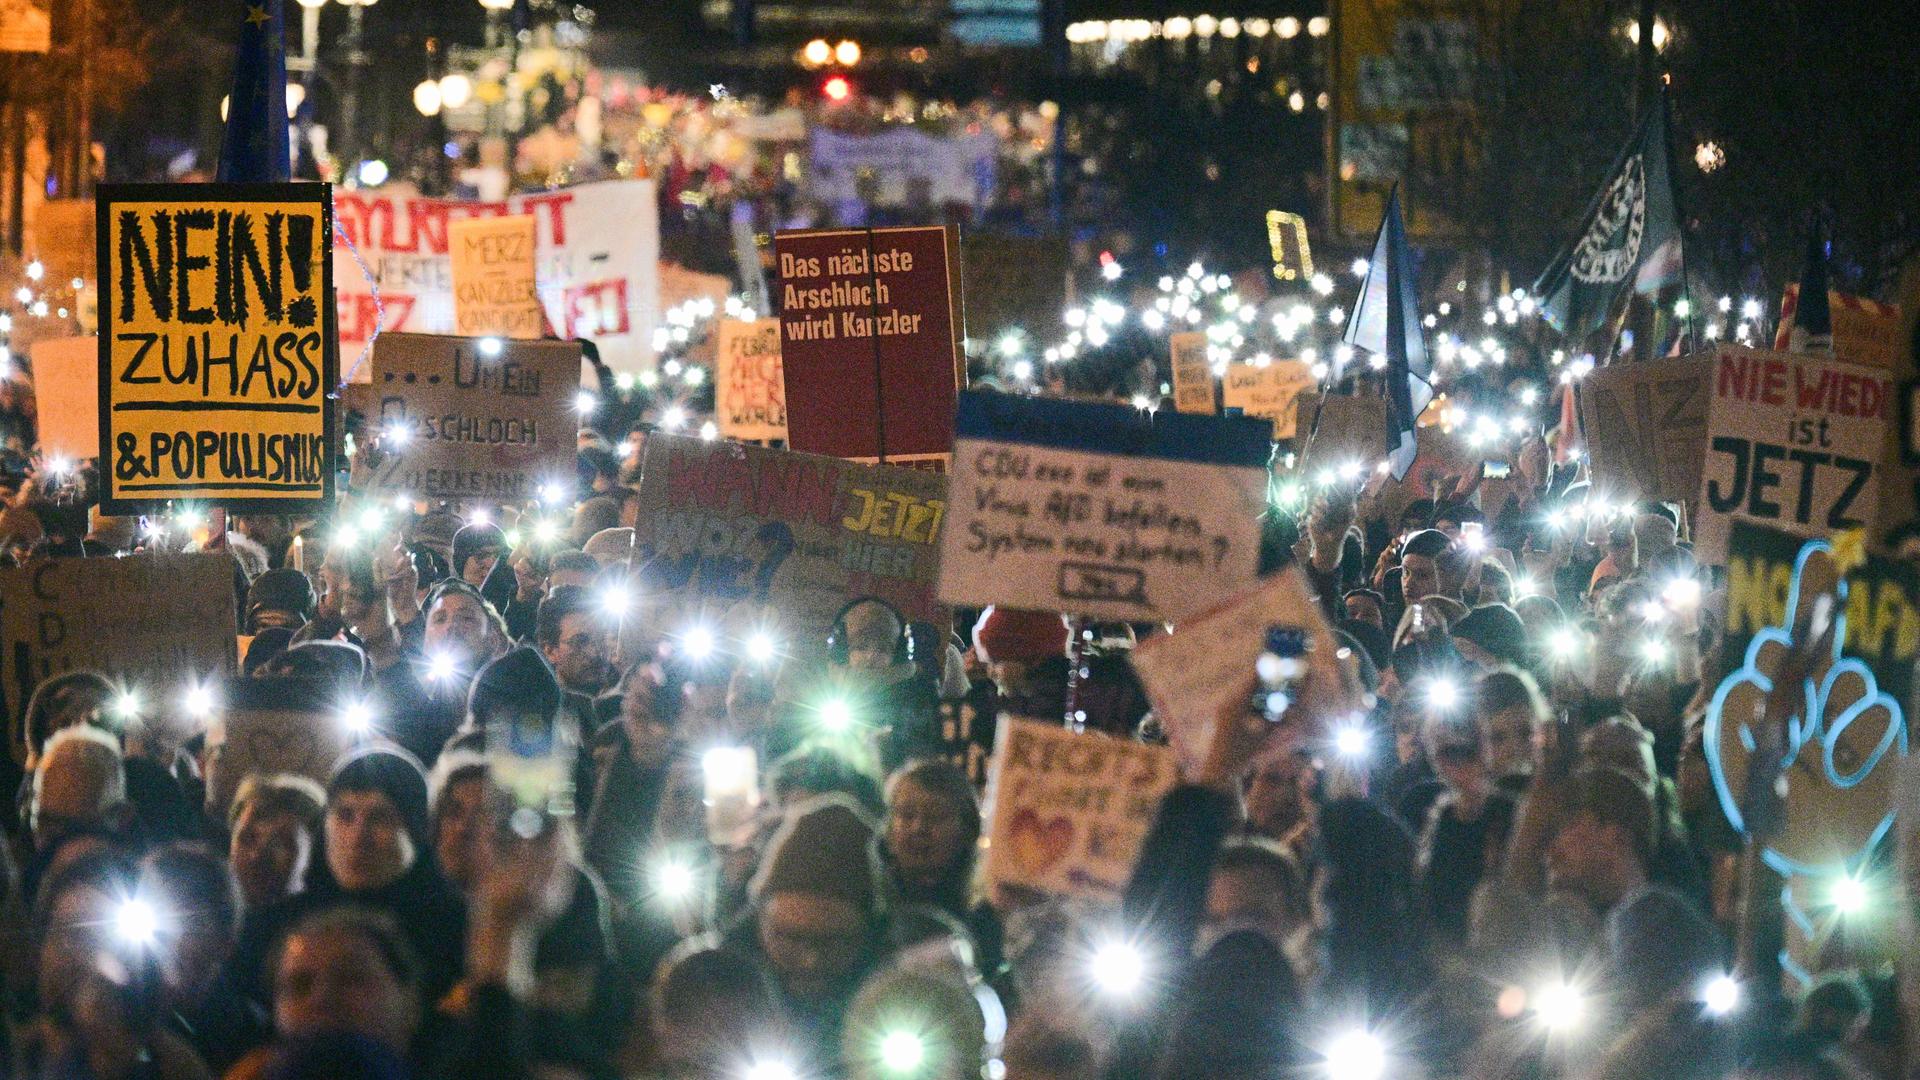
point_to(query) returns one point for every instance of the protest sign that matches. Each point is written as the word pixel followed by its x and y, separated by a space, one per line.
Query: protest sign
pixel 1646 425
pixel 494 291
pixel 1067 812
pixel 272 725
pixel 63 239
pixel 598 263
pixel 1847 756
pixel 66 393
pixel 1193 674
pixel 154 621
pixel 1345 430
pixel 1794 442
pixel 1192 374
pixel 1101 510
pixel 492 421
pixel 1864 332
pixel 216 345
pixel 1270 392
pixel 723 525
pixel 870 342
pixel 750 394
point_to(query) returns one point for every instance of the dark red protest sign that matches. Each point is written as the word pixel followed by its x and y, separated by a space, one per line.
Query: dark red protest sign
pixel 870 341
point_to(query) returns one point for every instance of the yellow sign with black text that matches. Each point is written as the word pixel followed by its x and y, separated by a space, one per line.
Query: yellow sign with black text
pixel 217 344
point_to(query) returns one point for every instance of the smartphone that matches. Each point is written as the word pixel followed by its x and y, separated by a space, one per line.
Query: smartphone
pixel 1281 668
pixel 731 775
pixel 1495 470
pixel 530 760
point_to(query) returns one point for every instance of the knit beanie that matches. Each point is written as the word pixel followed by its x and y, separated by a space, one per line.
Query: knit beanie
pixel 281 590
pixel 394 773
pixel 519 682
pixel 1004 634
pixel 824 847
pixel 1496 629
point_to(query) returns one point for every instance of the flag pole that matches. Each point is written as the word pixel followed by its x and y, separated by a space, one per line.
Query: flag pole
pixel 1680 216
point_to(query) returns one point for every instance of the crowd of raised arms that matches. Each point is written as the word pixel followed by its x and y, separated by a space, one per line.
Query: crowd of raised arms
pixel 766 863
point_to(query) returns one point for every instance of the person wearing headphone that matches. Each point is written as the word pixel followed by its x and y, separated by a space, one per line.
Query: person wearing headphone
pixel 873 680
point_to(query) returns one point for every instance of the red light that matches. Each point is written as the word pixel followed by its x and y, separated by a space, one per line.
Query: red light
pixel 837 88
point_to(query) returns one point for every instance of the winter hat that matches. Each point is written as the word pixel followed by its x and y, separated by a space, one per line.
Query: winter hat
pixel 519 681
pixel 267 645
pixel 1496 629
pixel 394 773
pixel 471 539
pixel 1004 634
pixel 338 663
pixel 281 590
pixel 824 847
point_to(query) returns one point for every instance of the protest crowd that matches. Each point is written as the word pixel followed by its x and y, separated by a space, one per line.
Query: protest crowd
pixel 467 714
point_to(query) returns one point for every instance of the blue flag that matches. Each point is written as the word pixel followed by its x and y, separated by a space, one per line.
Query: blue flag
pixel 255 148
pixel 1386 323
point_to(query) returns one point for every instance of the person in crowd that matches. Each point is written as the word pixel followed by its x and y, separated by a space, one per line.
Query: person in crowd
pixel 631 757
pixel 1277 798
pixel 715 1009
pixel 96 997
pixel 275 823
pixel 873 674
pixel 574 637
pixel 1490 636
pixel 1025 653
pixel 343 972
pixel 197 909
pixel 279 598
pixel 379 855
pixel 575 1014
pixel 1466 831
pixel 480 558
pixel 81 783
pixel 1605 842
pixel 818 917
pixel 463 634
pixel 931 837
pixel 63 701
pixel 1420 559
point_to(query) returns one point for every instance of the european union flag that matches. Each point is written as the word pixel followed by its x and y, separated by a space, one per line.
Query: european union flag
pixel 255 148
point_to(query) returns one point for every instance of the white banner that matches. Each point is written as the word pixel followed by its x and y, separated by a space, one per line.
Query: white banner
pixel 598 264
pixel 955 170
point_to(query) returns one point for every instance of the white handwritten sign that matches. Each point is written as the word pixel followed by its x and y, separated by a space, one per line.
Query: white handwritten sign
pixel 1792 442
pixel 1192 375
pixel 1101 510
pixel 1068 812
pixel 749 392
pixel 1272 392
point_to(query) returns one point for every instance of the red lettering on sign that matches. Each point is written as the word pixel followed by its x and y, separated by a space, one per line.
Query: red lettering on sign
pixel 793 491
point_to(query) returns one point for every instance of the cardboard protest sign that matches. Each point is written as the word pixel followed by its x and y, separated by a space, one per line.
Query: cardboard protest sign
pixel 1646 425
pixel 1841 788
pixel 1345 429
pixel 724 525
pixel 1067 812
pixel 494 288
pixel 1865 332
pixel 1193 673
pixel 276 725
pixel 216 345
pixel 598 263
pixel 870 341
pixel 151 620
pixel 1271 392
pixel 66 392
pixel 1101 510
pixel 1192 374
pixel 492 421
pixel 1794 442
pixel 749 390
